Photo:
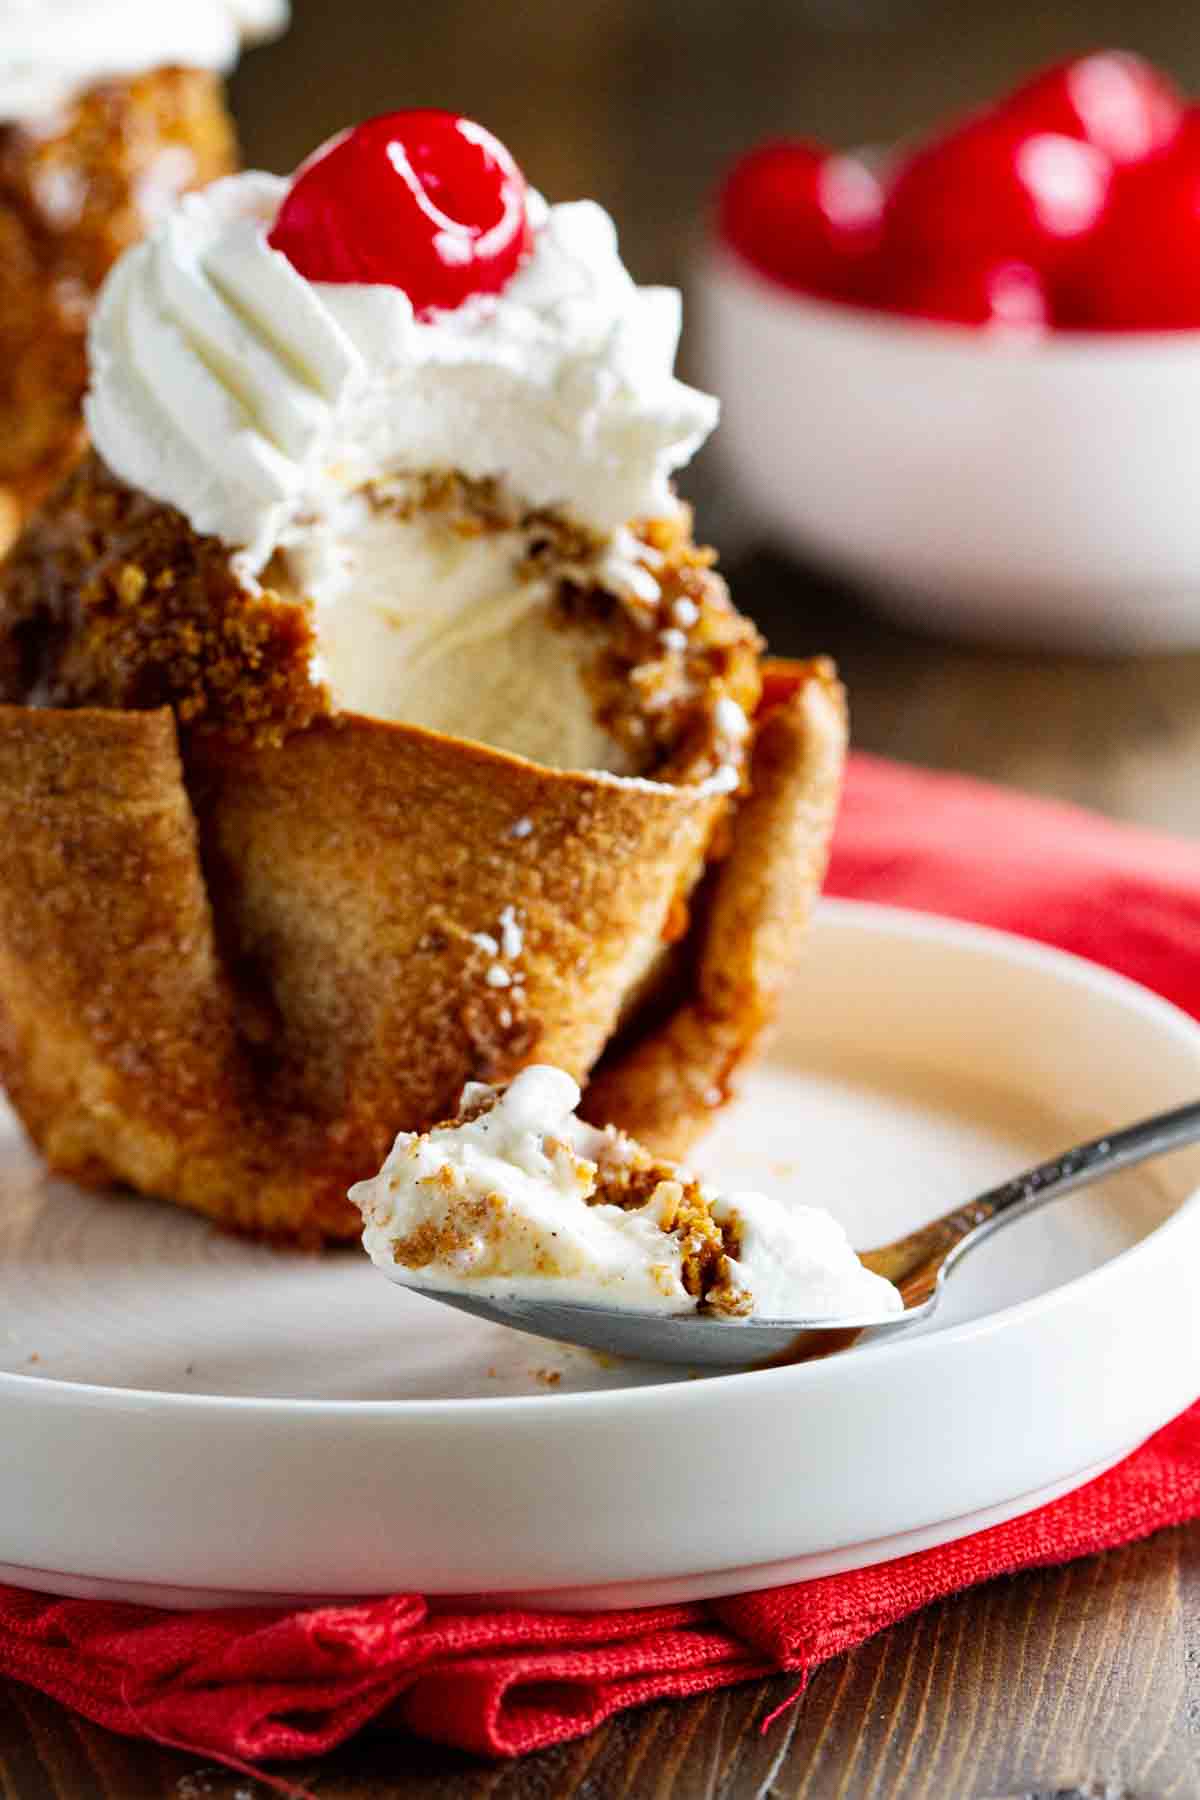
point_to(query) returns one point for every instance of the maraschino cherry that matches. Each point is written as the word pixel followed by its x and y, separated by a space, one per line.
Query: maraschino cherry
pixel 1143 269
pixel 1112 99
pixel 423 200
pixel 1006 297
pixel 802 214
pixel 993 189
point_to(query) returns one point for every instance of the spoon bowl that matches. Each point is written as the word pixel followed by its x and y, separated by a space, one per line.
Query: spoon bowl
pixel 697 1340
pixel 919 1265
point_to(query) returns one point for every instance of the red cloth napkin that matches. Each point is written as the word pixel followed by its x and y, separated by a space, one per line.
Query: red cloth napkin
pixel 251 1685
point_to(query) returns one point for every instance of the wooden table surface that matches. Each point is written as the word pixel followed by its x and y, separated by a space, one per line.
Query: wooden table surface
pixel 1083 1680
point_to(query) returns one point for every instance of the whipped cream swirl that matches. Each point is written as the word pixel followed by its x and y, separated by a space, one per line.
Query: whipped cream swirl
pixel 227 385
pixel 52 50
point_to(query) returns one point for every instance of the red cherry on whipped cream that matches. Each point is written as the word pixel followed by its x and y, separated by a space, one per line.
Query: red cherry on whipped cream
pixel 1143 267
pixel 424 201
pixel 1006 297
pixel 994 190
pixel 1111 99
pixel 804 215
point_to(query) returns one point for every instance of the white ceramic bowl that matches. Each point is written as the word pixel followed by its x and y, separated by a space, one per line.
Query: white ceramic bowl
pixel 1042 492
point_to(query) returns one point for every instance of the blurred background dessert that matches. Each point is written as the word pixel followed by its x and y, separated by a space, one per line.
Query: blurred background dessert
pixel 109 109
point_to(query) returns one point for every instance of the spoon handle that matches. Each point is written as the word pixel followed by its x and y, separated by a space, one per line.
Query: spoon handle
pixel 920 1262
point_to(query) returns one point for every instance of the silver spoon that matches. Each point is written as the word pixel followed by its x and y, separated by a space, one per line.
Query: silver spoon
pixel 919 1265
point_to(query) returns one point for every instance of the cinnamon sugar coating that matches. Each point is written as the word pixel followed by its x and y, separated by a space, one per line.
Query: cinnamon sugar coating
pixel 232 985
pixel 76 191
pixel 656 684
pixel 111 600
pixel 705 1247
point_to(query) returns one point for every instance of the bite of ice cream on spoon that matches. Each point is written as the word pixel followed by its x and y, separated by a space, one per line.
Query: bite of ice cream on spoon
pixel 520 1213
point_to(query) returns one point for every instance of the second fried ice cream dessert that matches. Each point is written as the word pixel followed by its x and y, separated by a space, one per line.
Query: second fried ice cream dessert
pixel 109 111
pixel 382 724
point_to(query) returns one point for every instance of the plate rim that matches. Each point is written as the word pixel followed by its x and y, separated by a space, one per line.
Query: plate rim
pixel 864 915
pixel 608 1596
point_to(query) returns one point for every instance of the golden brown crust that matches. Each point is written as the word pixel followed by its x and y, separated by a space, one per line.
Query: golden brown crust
pixel 111 600
pixel 666 665
pixel 340 882
pixel 254 1063
pixel 116 1024
pixel 360 872
pixel 251 1059
pixel 664 1088
pixel 74 192
pixel 682 1208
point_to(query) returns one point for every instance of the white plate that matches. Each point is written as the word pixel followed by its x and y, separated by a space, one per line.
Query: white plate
pixel 188 1418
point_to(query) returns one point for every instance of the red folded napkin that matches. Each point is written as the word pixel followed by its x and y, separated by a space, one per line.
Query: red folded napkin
pixel 242 1686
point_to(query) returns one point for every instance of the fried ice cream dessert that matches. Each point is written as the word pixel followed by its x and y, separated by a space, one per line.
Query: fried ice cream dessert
pixel 370 721
pixel 109 111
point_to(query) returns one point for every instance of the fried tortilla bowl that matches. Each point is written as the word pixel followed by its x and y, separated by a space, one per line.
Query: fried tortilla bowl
pixel 232 989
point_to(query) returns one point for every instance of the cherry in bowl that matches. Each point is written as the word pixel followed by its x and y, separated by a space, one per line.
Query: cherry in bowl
pixel 1143 267
pixel 993 189
pixel 1002 296
pixel 803 215
pixel 1112 99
